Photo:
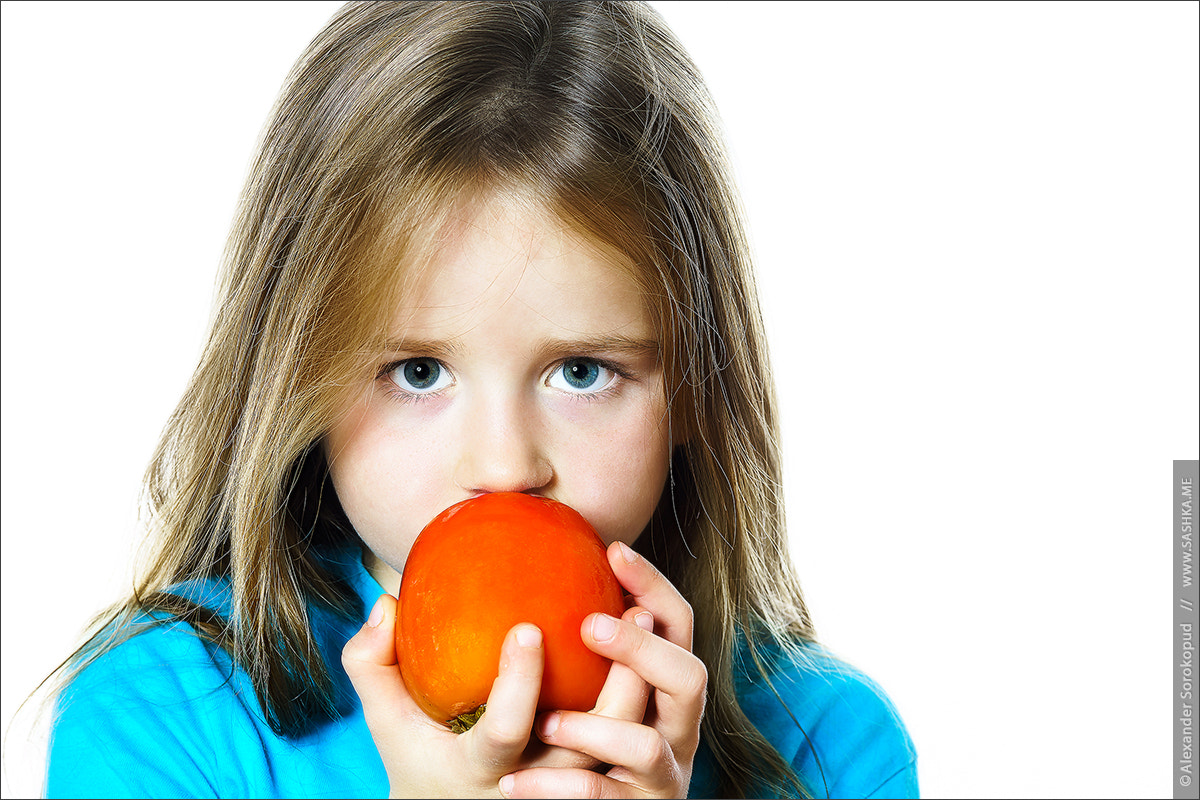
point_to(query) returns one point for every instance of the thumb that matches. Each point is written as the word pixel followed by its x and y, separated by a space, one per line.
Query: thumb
pixel 369 659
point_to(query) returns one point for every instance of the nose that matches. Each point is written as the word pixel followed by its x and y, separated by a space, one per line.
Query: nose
pixel 501 449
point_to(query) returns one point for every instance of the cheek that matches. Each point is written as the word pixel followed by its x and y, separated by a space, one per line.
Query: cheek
pixel 387 481
pixel 616 479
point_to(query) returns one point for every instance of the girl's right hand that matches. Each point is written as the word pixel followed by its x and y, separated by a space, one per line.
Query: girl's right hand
pixel 424 758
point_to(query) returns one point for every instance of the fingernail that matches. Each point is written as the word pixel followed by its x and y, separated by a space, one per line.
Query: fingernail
pixel 604 627
pixel 549 724
pixel 644 620
pixel 627 553
pixel 506 785
pixel 376 614
pixel 529 636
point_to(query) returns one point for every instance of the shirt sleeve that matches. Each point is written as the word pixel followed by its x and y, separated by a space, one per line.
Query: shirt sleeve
pixel 863 745
pixel 142 720
pixel 837 727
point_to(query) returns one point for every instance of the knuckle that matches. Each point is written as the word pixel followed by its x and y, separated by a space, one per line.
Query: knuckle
pixel 688 613
pixel 650 751
pixel 500 737
pixel 592 785
pixel 350 663
pixel 524 667
pixel 695 677
pixel 637 640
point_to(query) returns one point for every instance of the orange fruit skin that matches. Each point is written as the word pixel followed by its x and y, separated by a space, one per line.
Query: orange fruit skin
pixel 479 568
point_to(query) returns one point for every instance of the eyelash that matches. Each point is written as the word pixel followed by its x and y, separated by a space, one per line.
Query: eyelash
pixel 402 396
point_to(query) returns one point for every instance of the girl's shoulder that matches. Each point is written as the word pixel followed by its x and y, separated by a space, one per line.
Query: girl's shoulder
pixel 142 709
pixel 838 728
pixel 154 709
pixel 136 653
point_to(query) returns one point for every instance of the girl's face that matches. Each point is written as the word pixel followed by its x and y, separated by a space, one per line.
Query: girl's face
pixel 524 361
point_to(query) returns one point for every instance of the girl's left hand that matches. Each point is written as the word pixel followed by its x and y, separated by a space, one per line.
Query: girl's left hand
pixel 649 759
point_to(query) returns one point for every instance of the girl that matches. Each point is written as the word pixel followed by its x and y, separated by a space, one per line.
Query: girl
pixel 484 247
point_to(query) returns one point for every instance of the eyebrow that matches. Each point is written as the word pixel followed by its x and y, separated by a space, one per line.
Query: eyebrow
pixel 603 343
pixel 431 347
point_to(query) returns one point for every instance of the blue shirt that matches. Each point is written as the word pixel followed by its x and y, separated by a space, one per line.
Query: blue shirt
pixel 165 714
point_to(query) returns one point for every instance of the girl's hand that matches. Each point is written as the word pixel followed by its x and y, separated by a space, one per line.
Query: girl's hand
pixel 424 758
pixel 652 758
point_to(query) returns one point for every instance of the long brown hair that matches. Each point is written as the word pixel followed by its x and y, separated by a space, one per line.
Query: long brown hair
pixel 393 112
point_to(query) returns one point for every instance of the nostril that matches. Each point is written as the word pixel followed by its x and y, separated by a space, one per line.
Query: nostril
pixel 536 480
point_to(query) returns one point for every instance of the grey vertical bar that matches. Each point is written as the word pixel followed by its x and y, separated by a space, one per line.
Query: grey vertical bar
pixel 1187 681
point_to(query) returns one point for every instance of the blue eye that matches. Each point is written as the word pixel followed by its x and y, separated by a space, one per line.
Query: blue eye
pixel 420 376
pixel 581 376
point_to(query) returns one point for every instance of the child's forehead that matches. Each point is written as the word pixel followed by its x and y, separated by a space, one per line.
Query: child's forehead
pixel 480 233
pixel 493 218
pixel 508 254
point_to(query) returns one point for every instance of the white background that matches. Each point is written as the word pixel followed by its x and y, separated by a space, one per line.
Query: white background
pixel 976 229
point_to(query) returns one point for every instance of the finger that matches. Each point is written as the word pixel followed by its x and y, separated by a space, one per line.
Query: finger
pixel 552 782
pixel 678 676
pixel 651 589
pixel 369 659
pixel 639 750
pixel 501 734
pixel 625 694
